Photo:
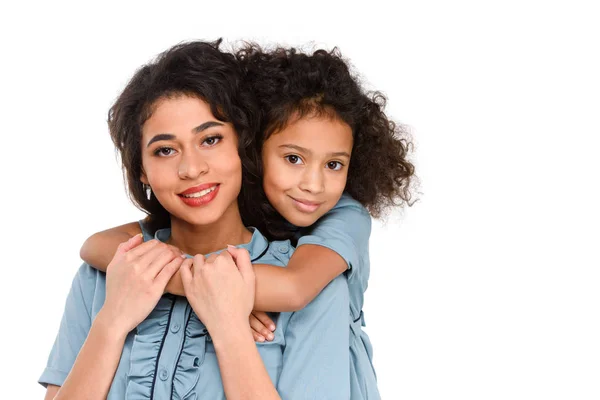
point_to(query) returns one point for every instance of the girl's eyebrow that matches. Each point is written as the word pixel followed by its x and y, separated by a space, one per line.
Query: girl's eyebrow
pixel 170 136
pixel 307 151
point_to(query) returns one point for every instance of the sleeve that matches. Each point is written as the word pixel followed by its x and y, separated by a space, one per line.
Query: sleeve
pixel 316 359
pixel 345 229
pixel 74 328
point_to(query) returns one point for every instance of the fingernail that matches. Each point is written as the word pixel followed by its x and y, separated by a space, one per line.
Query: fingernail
pixel 183 256
pixel 230 246
pixel 272 327
pixel 261 339
pixel 271 336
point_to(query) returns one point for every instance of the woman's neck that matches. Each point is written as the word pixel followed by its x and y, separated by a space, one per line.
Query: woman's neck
pixel 203 239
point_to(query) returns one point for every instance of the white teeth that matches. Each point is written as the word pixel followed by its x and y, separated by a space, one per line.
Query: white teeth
pixel 201 193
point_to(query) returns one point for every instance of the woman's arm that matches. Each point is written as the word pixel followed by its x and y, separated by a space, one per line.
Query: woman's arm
pixel 135 282
pixel 51 391
pixel 95 366
pixel 222 295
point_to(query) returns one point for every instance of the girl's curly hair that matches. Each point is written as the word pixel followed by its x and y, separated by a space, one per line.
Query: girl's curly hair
pixel 290 84
pixel 198 69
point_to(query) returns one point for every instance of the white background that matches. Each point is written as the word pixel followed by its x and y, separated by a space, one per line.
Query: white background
pixel 488 288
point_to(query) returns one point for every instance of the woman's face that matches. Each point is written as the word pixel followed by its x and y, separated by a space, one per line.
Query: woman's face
pixel 306 166
pixel 190 160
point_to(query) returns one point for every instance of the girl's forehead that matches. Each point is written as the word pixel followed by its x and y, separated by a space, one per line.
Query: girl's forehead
pixel 315 132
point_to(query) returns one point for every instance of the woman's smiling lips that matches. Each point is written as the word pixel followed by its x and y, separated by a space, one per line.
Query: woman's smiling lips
pixel 200 195
pixel 305 205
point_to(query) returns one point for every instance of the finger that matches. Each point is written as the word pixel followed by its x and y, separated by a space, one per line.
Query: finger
pixel 258 337
pixel 199 262
pixel 133 242
pixel 143 248
pixel 161 259
pixel 186 274
pixel 160 254
pixel 176 249
pixel 264 319
pixel 242 260
pixel 260 328
pixel 167 272
pixel 224 260
pixel 211 258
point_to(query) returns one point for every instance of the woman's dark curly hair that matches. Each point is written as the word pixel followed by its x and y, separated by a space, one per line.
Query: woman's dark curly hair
pixel 198 69
pixel 289 84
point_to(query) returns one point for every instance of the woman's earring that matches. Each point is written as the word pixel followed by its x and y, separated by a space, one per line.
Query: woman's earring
pixel 148 191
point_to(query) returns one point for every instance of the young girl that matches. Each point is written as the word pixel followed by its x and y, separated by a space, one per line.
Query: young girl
pixel 328 151
pixel 183 126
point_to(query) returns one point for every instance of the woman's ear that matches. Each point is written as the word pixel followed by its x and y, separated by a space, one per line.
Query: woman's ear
pixel 143 178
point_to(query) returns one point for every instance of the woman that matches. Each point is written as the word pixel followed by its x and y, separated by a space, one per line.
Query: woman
pixel 183 126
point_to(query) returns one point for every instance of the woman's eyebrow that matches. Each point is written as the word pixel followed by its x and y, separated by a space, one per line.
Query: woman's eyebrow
pixel 160 136
pixel 170 136
pixel 206 125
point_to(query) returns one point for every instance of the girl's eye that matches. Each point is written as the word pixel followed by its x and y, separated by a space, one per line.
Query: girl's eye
pixel 164 151
pixel 293 159
pixel 334 165
pixel 212 140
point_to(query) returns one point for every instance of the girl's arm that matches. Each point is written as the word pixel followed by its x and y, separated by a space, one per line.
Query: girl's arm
pixel 333 246
pixel 337 242
pixel 310 269
pixel 100 248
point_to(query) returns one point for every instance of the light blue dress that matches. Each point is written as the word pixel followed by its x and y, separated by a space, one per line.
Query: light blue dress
pixel 345 229
pixel 171 355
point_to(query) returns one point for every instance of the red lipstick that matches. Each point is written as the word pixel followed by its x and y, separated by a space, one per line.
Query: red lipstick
pixel 200 195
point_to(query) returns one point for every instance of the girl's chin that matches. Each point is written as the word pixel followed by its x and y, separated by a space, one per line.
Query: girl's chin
pixel 301 221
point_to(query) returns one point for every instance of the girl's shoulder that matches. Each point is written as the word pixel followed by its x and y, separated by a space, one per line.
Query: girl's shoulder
pixel 348 202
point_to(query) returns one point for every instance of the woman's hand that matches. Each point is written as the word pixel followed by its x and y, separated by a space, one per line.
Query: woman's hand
pixel 220 289
pixel 136 279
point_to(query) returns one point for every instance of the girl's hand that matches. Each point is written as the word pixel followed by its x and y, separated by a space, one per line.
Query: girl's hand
pixel 135 280
pixel 262 326
pixel 220 289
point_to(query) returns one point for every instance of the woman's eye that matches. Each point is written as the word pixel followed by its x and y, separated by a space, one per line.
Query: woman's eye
pixel 293 159
pixel 334 165
pixel 164 151
pixel 212 140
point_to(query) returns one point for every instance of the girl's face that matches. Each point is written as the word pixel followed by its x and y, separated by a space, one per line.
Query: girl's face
pixel 190 160
pixel 306 166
